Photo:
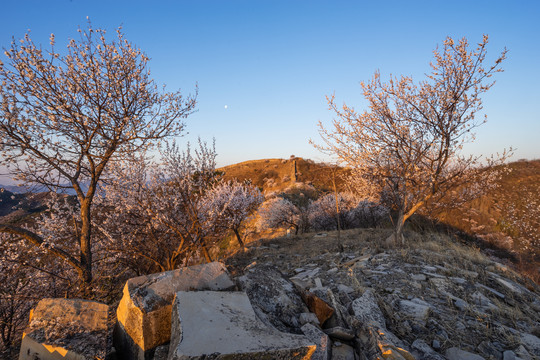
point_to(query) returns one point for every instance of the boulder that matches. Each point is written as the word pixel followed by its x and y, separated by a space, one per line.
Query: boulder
pixel 531 343
pixel 223 325
pixel 66 329
pixel 275 299
pixel 319 338
pixel 374 339
pixel 144 313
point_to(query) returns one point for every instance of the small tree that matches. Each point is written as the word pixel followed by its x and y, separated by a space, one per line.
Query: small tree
pixel 230 205
pixel 65 118
pixel 279 212
pixel 155 214
pixel 406 148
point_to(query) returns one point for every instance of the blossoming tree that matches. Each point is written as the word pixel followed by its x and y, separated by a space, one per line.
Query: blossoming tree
pixel 65 118
pixel 407 146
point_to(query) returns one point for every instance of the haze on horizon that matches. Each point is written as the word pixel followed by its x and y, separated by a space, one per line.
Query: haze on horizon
pixel 264 68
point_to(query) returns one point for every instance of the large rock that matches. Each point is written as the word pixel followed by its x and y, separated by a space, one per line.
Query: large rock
pixel 223 325
pixel 275 299
pixel 375 340
pixel 66 329
pixel 144 313
pixel 320 339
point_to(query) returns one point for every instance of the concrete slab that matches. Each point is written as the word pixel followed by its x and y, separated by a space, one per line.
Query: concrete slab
pixel 66 329
pixel 223 325
pixel 144 313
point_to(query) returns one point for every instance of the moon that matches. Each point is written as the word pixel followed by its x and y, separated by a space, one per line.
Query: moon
pixel 226 106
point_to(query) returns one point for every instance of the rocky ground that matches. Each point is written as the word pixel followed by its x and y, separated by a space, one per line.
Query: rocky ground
pixel 431 298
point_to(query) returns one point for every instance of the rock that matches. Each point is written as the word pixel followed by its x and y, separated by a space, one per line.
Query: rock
pixel 374 339
pixel 318 306
pixel 345 289
pixel 491 290
pixel 366 309
pixel 489 350
pixel 275 299
pixel 161 352
pixel 338 318
pixel 340 333
pixel 415 308
pixel 223 325
pixel 418 277
pixel 343 352
pixel 320 339
pixel 522 353
pixel 436 344
pixel 68 329
pixel 509 355
pixel 461 304
pixel 483 301
pixel 457 354
pixel 308 318
pixel 144 313
pixel 426 352
pixel 531 343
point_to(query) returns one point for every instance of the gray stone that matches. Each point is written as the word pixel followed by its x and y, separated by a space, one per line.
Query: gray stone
pixel 531 343
pixel 308 318
pixel 223 325
pixel 343 352
pixel 522 353
pixel 340 333
pixel 436 344
pixel 374 339
pixel 144 313
pixel 461 304
pixel 67 329
pixel 457 354
pixel 418 277
pixel 415 308
pixel 345 289
pixel 275 299
pixel 483 301
pixel 426 352
pixel 320 339
pixel 509 355
pixel 366 309
pixel 488 349
pixel 338 317
pixel 491 290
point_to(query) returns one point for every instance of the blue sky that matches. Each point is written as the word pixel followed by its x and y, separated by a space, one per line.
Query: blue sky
pixel 273 62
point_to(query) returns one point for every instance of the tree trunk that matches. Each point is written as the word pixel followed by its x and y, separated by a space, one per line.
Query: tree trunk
pixel 239 238
pixel 85 242
pixel 398 231
pixel 206 254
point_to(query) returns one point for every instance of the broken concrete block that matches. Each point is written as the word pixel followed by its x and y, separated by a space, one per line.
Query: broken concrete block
pixel 144 313
pixel 223 325
pixel 66 329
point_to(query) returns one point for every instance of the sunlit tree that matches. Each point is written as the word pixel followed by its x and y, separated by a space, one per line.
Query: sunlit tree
pixel 64 118
pixel 230 206
pixel 407 148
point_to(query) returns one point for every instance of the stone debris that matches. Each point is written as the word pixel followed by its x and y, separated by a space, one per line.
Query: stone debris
pixel 223 325
pixel 144 313
pixel 68 329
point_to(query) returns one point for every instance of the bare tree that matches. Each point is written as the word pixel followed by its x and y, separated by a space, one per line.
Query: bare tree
pixel 407 147
pixel 65 118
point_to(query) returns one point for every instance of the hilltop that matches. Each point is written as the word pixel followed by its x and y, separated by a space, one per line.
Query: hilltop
pixel 274 175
